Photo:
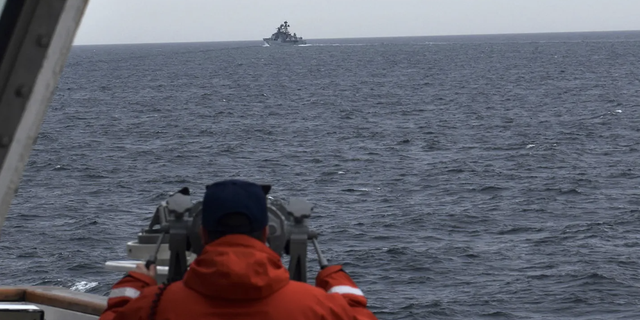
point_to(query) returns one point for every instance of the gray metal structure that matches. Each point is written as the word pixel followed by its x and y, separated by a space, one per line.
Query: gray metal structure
pixel 282 36
pixel 172 239
pixel 36 39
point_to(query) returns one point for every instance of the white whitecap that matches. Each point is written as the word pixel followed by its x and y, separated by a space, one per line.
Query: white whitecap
pixel 83 286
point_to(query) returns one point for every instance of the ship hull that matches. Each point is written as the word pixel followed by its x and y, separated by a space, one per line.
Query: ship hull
pixel 270 42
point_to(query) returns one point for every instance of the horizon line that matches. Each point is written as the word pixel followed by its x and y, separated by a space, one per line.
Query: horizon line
pixel 366 37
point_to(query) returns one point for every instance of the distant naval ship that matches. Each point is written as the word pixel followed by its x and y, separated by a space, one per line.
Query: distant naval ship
pixel 282 36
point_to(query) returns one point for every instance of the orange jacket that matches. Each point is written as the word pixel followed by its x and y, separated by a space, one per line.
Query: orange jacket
pixel 238 277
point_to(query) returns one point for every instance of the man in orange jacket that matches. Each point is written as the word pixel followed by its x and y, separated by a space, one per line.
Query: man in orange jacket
pixel 236 276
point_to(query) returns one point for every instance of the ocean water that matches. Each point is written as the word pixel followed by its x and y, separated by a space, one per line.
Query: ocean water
pixel 477 177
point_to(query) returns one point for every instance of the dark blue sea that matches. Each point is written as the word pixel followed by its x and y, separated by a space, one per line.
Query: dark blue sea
pixel 475 177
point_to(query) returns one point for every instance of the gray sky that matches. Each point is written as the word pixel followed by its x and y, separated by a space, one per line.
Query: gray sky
pixel 147 21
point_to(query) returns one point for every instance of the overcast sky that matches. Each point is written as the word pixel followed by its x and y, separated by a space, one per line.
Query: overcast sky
pixel 147 21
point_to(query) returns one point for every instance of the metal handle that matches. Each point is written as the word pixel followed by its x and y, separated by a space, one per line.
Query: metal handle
pixel 152 258
pixel 323 262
